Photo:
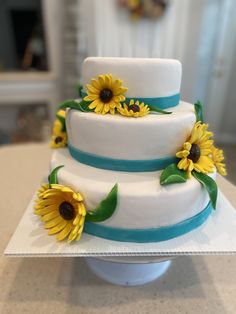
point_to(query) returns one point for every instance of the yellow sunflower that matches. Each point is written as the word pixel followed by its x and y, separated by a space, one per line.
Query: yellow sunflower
pixel 58 139
pixel 134 109
pixel 105 94
pixel 195 154
pixel 217 156
pixel 59 136
pixel 62 210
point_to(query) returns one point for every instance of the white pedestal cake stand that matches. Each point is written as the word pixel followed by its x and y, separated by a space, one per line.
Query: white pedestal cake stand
pixel 127 273
pixel 128 263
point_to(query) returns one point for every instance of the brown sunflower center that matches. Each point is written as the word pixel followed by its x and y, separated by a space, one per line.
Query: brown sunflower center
pixel 58 139
pixel 67 211
pixel 135 108
pixel 106 95
pixel 195 153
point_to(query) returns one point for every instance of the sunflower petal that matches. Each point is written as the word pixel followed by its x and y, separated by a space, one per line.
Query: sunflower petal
pixel 58 228
pixel 66 189
pixel 99 107
pixel 120 90
pixel 46 202
pixel 78 197
pixel 54 222
pixel 183 164
pixel 71 237
pixel 91 97
pixel 106 108
pixel 50 207
pixel 101 80
pixel 64 233
pixel 108 81
pixel 182 154
pixel 51 194
pixel 92 90
pixel 190 165
pixel 50 216
pixel 206 144
pixel 95 84
pixel 198 167
pixel 205 151
pixel 94 104
pixel 112 111
pixel 43 211
pixel 82 209
pixel 206 164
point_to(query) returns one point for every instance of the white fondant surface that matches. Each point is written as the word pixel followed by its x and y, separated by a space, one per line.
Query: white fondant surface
pixel 150 137
pixel 142 201
pixel 144 77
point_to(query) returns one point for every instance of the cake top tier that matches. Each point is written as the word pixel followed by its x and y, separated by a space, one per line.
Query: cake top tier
pixel 144 77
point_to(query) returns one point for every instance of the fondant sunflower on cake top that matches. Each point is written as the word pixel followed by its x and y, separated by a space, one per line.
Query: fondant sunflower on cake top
pixel 134 109
pixel 105 94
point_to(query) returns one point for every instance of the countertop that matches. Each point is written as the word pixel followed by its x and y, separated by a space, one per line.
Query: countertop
pixel 203 284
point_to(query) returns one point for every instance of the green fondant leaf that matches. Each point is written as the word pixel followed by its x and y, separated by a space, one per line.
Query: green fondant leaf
pixel 106 208
pixel 73 104
pixel 198 111
pixel 52 178
pixel 156 109
pixel 79 88
pixel 209 184
pixel 84 106
pixel 172 174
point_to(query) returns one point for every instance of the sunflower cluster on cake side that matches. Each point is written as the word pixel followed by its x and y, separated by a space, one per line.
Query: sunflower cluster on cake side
pixel 106 95
pixel 197 157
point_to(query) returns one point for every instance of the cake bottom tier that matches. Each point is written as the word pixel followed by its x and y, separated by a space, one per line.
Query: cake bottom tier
pixel 146 211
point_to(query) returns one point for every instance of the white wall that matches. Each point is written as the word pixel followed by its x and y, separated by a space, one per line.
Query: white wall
pixel 228 124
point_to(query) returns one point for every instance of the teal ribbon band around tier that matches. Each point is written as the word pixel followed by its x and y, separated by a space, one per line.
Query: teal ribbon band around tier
pixel 148 235
pixel 120 164
pixel 159 102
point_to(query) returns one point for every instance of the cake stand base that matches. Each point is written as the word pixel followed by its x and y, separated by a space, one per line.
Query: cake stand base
pixel 127 274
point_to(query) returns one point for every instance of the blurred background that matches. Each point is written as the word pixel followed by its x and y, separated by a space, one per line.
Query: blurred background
pixel 43 44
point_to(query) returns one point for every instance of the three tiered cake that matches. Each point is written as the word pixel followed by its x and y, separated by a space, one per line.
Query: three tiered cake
pixel 134 163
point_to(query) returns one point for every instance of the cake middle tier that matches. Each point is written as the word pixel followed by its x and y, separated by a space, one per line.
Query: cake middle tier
pixel 114 137
pixel 142 201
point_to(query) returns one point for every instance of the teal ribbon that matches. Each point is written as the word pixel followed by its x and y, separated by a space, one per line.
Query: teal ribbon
pixel 120 164
pixel 148 235
pixel 159 102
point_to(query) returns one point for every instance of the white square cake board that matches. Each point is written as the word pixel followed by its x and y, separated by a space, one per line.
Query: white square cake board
pixel 216 236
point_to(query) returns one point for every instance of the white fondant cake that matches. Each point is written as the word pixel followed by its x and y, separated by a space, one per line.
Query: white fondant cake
pixel 143 202
pixel 132 171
